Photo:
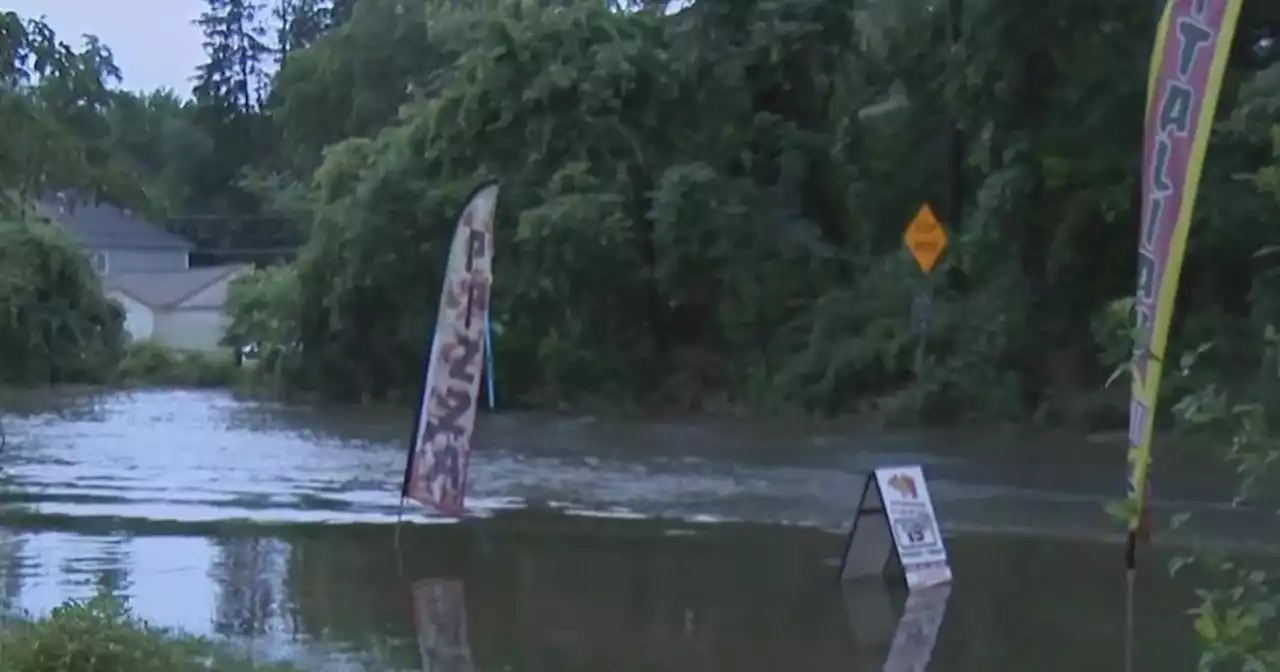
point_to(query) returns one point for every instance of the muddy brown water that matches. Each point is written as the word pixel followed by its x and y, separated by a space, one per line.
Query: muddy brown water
pixel 593 545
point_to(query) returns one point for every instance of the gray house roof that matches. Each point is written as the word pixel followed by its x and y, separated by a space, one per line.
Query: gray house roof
pixel 168 289
pixel 102 226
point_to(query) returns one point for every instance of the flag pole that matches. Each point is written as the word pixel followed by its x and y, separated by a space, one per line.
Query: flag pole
pixel 488 356
pixel 1130 579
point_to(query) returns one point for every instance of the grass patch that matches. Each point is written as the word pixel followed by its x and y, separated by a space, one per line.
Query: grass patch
pixel 103 635
pixel 152 364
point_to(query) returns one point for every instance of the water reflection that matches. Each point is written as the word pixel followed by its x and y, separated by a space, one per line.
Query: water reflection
pixel 918 630
pixel 10 570
pixel 249 572
pixel 551 592
pixel 895 631
pixel 152 493
pixel 440 614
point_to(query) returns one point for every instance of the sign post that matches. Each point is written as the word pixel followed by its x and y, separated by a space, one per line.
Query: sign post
pixel 921 323
pixel 926 239
pixel 895 531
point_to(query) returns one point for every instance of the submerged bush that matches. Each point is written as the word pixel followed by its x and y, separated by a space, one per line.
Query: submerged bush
pixel 1237 620
pixel 150 363
pixel 103 635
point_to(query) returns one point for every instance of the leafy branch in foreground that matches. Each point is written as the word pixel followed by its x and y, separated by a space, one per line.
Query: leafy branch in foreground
pixel 103 635
pixel 1237 620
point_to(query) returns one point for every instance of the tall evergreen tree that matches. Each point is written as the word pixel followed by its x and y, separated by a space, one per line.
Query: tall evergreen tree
pixel 298 23
pixel 229 91
pixel 233 80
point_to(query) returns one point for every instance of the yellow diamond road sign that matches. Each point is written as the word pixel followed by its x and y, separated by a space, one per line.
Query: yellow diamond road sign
pixel 926 238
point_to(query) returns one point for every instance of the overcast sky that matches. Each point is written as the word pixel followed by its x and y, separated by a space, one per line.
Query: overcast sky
pixel 154 42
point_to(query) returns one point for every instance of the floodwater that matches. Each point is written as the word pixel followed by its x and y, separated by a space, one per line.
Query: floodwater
pixel 593 545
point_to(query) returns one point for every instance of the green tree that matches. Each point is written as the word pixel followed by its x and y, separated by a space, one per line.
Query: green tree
pixel 359 74
pixel 57 327
pixel 157 138
pixel 51 100
pixel 229 90
pixel 706 205
pixel 232 81
pixel 298 24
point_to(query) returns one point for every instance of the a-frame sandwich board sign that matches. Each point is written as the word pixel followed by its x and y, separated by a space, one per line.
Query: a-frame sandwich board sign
pixel 895 531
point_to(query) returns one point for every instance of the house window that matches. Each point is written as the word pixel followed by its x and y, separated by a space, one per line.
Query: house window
pixel 100 262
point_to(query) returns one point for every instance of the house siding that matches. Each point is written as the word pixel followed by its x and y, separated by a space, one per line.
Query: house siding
pixel 213 296
pixel 192 329
pixel 139 321
pixel 144 261
pixel 201 321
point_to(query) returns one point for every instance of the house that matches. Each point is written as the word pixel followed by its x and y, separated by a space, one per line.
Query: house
pixel 181 309
pixel 117 240
pixel 148 271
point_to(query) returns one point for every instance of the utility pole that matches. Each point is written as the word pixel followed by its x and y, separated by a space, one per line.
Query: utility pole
pixel 954 207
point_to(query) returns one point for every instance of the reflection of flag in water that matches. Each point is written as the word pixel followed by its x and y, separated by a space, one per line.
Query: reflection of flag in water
pixel 440 613
pixel 1187 64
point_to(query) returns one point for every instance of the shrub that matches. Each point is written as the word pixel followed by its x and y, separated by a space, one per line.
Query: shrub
pixel 263 306
pixel 150 363
pixel 1237 620
pixel 55 324
pixel 103 635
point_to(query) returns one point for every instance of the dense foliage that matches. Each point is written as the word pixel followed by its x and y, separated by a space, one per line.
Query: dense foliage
pixel 103 635
pixel 700 207
pixel 706 206
pixel 1237 619
pixel 55 324
pixel 150 364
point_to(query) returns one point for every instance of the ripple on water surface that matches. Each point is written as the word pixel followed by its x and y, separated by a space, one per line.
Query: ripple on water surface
pixel 203 456
pixel 330 596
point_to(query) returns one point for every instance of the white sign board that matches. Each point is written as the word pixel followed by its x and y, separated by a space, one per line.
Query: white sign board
pixel 896 530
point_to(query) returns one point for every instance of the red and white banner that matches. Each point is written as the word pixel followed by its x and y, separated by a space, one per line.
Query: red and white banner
pixel 436 474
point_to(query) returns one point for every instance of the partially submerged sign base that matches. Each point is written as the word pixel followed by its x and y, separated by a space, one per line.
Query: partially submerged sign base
pixel 895 532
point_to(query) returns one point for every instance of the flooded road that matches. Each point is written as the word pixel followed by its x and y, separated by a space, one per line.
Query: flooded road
pixel 594 545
